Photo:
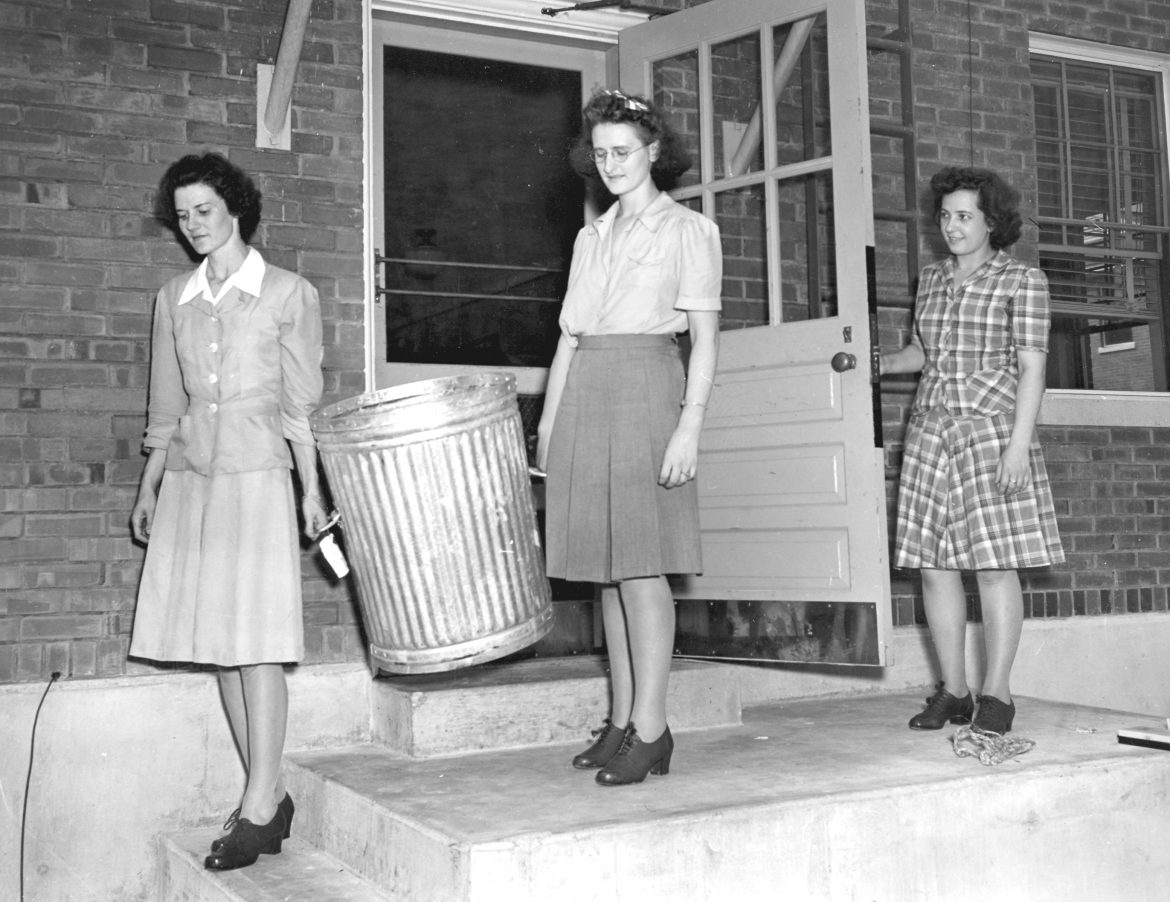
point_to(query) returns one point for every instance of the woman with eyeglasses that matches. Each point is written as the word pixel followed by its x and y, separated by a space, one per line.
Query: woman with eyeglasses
pixel 619 434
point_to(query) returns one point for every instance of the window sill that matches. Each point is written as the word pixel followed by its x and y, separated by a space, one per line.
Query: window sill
pixel 1068 407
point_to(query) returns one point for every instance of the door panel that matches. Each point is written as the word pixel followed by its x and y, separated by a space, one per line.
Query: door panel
pixel 791 483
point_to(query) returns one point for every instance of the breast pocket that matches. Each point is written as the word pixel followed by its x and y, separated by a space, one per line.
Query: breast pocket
pixel 646 271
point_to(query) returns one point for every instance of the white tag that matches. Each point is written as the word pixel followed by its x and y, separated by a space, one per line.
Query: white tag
pixel 334 555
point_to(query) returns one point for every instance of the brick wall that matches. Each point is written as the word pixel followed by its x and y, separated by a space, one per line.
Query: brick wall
pixel 973 105
pixel 96 99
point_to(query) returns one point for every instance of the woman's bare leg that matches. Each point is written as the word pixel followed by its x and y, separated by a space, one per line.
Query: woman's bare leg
pixel 231 692
pixel 1003 621
pixel 621 675
pixel 650 623
pixel 266 702
pixel 946 614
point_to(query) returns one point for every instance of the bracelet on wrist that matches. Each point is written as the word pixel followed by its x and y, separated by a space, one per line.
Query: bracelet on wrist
pixel 686 403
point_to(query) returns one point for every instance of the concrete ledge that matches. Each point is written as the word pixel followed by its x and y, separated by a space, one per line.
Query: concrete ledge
pixel 1116 661
pixel 822 799
pixel 299 872
pixel 532 702
pixel 120 760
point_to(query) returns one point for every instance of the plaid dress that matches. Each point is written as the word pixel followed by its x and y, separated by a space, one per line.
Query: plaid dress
pixel 951 515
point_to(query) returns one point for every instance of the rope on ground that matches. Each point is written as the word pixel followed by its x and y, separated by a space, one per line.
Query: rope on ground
pixel 989 748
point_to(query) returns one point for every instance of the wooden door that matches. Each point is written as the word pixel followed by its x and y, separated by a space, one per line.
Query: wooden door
pixel 772 99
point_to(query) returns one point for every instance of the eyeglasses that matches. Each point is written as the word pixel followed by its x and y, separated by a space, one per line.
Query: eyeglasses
pixel 619 154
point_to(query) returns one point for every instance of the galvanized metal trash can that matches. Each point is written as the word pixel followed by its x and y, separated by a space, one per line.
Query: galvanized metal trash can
pixel 431 480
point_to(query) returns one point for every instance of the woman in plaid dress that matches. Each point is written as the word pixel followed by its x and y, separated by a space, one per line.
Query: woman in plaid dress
pixel 974 494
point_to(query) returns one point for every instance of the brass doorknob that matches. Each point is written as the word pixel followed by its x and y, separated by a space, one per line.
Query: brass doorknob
pixel 843 361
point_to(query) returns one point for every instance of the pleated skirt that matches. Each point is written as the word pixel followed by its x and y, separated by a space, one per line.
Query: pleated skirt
pixel 607 518
pixel 221 583
pixel 951 514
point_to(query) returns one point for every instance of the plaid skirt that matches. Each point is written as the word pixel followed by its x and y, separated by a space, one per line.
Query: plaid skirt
pixel 607 518
pixel 951 515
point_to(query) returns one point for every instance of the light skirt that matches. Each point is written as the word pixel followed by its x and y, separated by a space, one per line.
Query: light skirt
pixel 951 515
pixel 221 583
pixel 607 517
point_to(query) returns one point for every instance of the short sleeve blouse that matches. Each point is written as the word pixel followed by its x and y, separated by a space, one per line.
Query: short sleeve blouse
pixel 970 333
pixel 670 262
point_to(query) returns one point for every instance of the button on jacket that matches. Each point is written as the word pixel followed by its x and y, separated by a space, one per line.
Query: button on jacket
pixel 231 381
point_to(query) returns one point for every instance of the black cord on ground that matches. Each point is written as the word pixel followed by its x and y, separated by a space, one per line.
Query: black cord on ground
pixel 32 745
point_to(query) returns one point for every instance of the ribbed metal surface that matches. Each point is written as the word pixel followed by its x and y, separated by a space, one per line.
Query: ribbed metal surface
pixel 432 483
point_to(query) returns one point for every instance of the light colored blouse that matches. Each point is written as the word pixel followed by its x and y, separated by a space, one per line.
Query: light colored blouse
pixel 230 382
pixel 668 262
pixel 969 334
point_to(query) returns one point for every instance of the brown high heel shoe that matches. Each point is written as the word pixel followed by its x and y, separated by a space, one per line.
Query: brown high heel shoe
pixel 605 746
pixel 636 758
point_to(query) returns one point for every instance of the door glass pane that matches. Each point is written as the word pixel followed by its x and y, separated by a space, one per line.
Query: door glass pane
pixel 736 96
pixel 1102 355
pixel 676 90
pixel 800 83
pixel 740 215
pixel 804 220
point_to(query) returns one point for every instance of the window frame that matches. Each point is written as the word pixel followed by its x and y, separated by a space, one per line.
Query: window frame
pixel 1075 50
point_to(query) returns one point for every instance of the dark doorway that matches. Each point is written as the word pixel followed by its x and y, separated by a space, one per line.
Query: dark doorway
pixel 481 207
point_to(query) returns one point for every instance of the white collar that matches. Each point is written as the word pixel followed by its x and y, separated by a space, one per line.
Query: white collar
pixel 247 278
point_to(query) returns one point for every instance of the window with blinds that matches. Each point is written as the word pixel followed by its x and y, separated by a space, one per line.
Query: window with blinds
pixel 1103 235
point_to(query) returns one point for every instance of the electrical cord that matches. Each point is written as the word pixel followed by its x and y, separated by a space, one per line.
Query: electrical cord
pixel 32 745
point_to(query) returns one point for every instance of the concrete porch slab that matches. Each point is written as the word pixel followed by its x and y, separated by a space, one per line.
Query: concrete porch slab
pixel 808 800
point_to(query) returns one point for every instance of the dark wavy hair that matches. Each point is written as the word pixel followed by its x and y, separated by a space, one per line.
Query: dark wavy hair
pixel 998 201
pixel 240 194
pixel 616 108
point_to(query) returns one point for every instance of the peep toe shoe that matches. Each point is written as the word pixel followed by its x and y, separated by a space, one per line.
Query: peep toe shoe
pixel 636 758
pixel 606 744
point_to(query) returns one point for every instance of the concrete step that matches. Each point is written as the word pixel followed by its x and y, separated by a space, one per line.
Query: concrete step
pixel 823 799
pixel 300 872
pixel 533 702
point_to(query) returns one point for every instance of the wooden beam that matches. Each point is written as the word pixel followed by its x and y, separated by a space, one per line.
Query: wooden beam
pixel 284 74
